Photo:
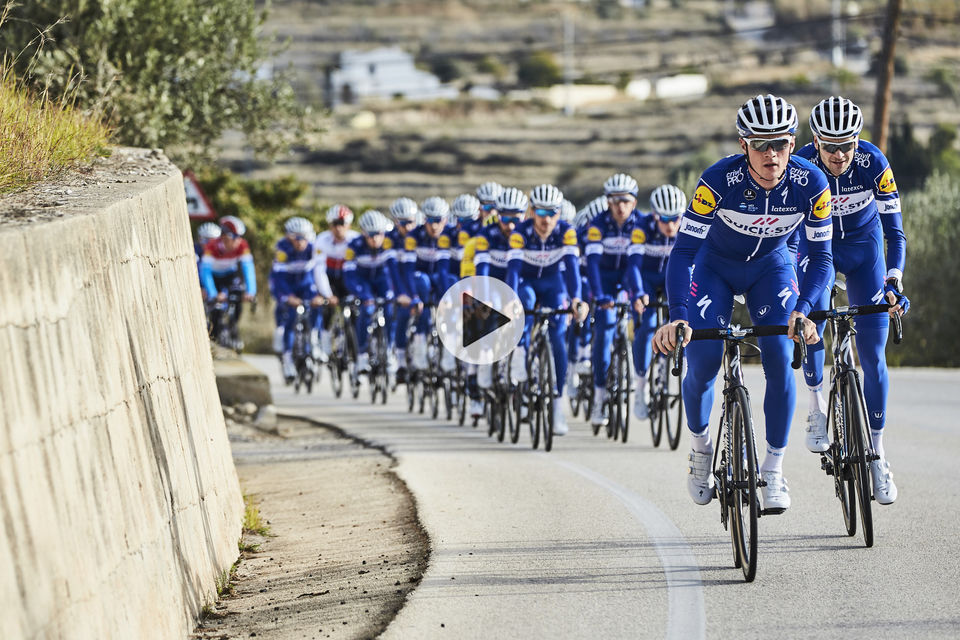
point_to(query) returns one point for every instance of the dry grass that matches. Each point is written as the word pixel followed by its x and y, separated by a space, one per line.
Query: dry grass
pixel 41 136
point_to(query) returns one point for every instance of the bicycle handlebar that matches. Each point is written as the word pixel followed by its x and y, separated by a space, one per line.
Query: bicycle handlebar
pixel 847 312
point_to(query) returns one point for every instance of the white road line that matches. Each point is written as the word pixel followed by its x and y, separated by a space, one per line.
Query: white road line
pixel 686 618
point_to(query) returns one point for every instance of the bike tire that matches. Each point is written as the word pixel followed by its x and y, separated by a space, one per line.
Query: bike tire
pixel 655 391
pixel 672 406
pixel 547 389
pixel 432 386
pixel 626 377
pixel 512 415
pixel 534 408
pixel 610 403
pixel 744 503
pixel 843 483
pixel 856 428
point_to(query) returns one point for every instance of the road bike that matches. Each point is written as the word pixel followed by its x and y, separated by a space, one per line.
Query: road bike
pixel 850 454
pixel 583 398
pixel 343 348
pixel 224 315
pixel 377 342
pixel 303 359
pixel 540 388
pixel 735 467
pixel 665 391
pixel 349 330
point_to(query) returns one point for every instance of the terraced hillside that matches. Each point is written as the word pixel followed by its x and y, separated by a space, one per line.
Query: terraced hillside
pixel 445 148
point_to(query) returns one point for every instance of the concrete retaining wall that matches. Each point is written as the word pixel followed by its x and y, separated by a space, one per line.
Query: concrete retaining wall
pixel 119 501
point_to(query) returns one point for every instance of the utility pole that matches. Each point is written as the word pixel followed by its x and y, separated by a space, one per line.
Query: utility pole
pixel 836 32
pixel 568 63
pixel 881 111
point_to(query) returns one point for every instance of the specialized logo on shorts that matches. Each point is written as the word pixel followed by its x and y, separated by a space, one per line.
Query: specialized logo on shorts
pixel 821 208
pixel 638 236
pixel 482 244
pixel 784 295
pixel 387 244
pixel 281 256
pixel 516 241
pixel 886 183
pixel 350 254
pixel 704 200
pixel 570 237
pixel 702 304
pixel 594 234
pixel 443 242
pixel 410 243
pixel 463 238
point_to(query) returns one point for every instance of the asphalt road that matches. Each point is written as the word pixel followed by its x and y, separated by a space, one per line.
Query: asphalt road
pixel 599 539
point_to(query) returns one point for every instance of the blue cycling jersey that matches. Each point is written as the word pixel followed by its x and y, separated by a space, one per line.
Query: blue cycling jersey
pixel 734 218
pixel 614 249
pixel 463 232
pixel 429 256
pixel 365 264
pixel 863 196
pixel 492 251
pixel 656 251
pixel 534 258
pixel 292 271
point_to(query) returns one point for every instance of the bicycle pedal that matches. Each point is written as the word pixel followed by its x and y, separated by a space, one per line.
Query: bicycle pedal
pixel 771 512
pixel 826 464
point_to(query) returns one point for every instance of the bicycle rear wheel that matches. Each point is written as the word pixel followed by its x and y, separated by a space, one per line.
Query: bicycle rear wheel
pixel 744 503
pixel 855 424
pixel 512 413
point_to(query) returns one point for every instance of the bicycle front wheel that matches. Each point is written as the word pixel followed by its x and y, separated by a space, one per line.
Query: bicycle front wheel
pixel 655 385
pixel 672 407
pixel 744 505
pixel 855 424
pixel 547 386
pixel 625 374
pixel 843 483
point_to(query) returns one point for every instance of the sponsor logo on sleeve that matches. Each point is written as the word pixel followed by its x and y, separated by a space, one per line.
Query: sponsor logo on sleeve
pixel 410 243
pixel 482 244
pixel 516 241
pixel 889 206
pixel 443 242
pixel 697 230
pixel 387 243
pixel 819 234
pixel 638 236
pixel 594 235
pixel 886 183
pixel 570 237
pixel 281 256
pixel 821 208
pixel 350 254
pixel 704 200
pixel 463 238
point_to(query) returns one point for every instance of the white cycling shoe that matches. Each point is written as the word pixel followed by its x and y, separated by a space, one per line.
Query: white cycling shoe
pixel 278 340
pixel 476 408
pixel 288 367
pixel 518 365
pixel 598 417
pixel 560 426
pixel 700 482
pixel 571 383
pixel 485 376
pixel 817 440
pixel 884 490
pixel 447 362
pixel 641 403
pixel 363 363
pixel 775 496
pixel 418 352
pixel 584 368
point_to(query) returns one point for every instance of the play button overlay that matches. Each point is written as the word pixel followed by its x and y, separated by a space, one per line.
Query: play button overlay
pixel 480 320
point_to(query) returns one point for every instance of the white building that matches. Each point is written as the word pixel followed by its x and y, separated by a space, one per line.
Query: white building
pixel 383 73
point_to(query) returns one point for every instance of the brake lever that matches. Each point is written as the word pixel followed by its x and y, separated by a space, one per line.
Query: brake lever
pixel 800 346
pixel 678 351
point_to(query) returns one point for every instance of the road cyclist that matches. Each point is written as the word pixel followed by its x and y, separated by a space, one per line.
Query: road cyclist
pixel 330 247
pixel 866 211
pixel 228 276
pixel 734 236
pixel 538 247
pixel 404 212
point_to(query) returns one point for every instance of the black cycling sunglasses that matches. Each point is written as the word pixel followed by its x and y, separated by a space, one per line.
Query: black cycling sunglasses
pixel 831 147
pixel 338 223
pixel 763 144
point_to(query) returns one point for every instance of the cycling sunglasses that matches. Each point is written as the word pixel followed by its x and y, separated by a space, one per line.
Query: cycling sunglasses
pixel 763 144
pixel 488 206
pixel 546 212
pixel 338 223
pixel 505 219
pixel 434 219
pixel 300 236
pixel 831 147
pixel 626 198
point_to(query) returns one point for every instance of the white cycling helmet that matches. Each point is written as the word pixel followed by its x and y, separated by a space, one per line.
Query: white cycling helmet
pixel 568 211
pixel 766 115
pixel 208 231
pixel 668 202
pixel 233 225
pixel 404 209
pixel 299 227
pixel 620 183
pixel 488 191
pixel 340 212
pixel 594 208
pixel 373 222
pixel 546 196
pixel 466 207
pixel 435 207
pixel 512 200
pixel 836 117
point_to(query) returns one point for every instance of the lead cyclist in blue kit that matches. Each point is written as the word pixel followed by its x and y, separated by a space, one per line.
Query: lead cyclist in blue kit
pixel 734 235
pixel 866 209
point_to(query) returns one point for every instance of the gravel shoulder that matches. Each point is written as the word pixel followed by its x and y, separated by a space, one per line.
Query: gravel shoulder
pixel 345 546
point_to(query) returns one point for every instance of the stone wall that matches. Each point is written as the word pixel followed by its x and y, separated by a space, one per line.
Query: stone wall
pixel 119 502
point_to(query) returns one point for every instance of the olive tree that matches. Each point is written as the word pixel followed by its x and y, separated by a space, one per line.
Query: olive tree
pixel 172 73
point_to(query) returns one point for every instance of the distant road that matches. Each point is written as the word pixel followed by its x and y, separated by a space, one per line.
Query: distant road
pixel 600 540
